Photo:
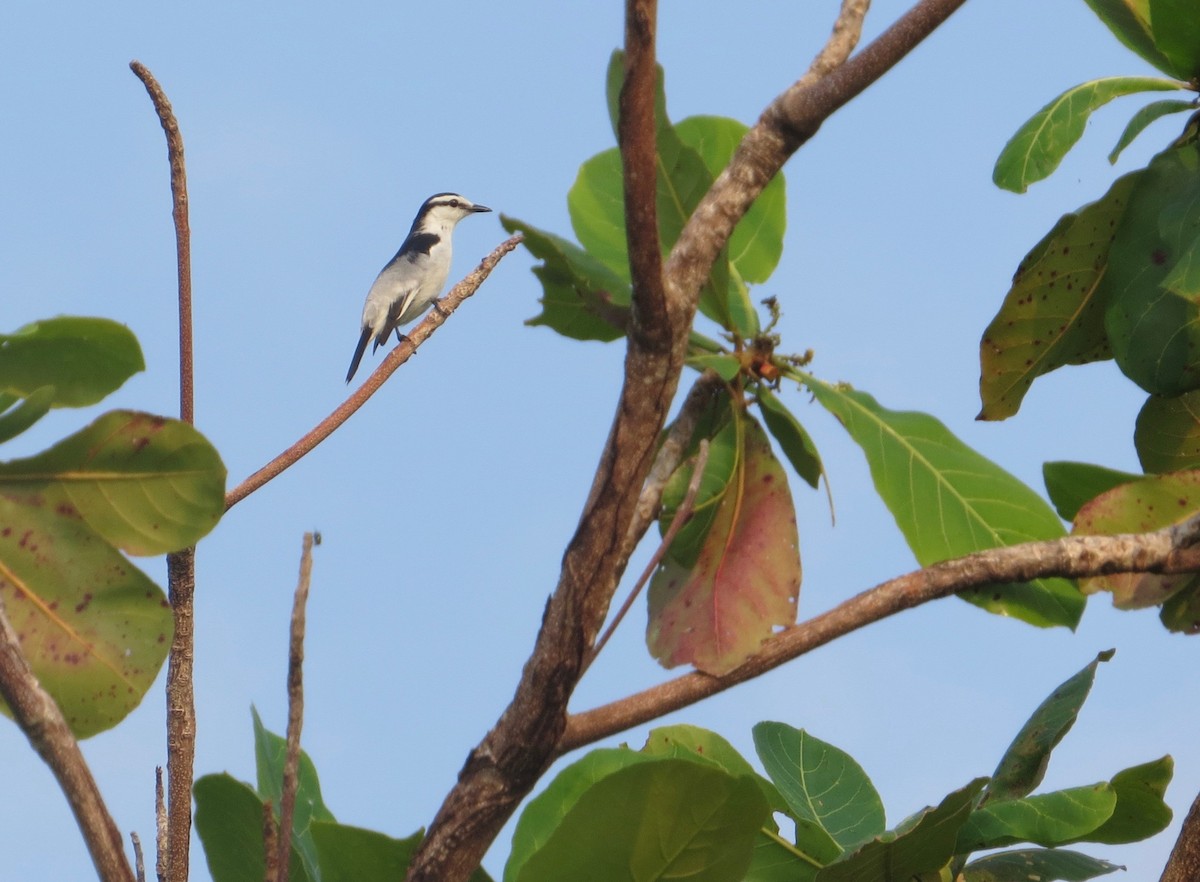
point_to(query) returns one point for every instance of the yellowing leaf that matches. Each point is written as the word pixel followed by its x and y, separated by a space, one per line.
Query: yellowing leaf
pixel 746 578
pixel 1136 507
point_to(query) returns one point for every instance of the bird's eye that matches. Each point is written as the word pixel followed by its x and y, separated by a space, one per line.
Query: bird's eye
pixel 454 203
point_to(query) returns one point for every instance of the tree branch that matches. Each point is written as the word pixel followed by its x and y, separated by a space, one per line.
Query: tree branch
pixel 1173 549
pixel 786 124
pixel 1184 863
pixel 42 722
pixel 503 768
pixel 398 356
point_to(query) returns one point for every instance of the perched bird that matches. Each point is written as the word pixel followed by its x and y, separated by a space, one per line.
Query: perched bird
pixel 413 279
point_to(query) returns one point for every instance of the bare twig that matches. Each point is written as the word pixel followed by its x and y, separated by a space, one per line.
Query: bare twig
pixel 42 722
pixel 1184 863
pixel 1172 549
pixel 670 454
pixel 510 759
pixel 181 566
pixel 160 826
pixel 846 32
pixel 295 691
pixel 398 356
pixel 183 245
pixel 139 862
pixel 682 514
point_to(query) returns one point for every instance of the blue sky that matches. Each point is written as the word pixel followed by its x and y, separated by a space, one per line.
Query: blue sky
pixel 312 135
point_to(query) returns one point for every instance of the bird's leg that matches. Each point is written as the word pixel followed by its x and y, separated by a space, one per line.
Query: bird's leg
pixel 437 304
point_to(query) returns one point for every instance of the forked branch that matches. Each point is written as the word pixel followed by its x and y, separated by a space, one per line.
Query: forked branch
pixel 503 768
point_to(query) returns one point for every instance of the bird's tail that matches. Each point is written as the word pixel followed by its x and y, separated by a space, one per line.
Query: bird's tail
pixel 358 353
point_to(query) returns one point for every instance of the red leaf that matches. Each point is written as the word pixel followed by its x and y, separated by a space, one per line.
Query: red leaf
pixel 746 579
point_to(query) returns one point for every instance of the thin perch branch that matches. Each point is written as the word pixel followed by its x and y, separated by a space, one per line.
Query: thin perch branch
pixel 42 722
pixel 398 356
pixel 1173 549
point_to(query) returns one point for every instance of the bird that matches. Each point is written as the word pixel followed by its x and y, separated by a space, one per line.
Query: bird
pixel 412 280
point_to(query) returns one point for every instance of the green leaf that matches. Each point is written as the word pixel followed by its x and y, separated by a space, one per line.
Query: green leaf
pixel 725 365
pixel 1140 812
pixel 1167 436
pixel 705 746
pixel 1051 315
pixel 1180 613
pixel 1042 864
pixel 925 846
pixel 757 241
pixel 1023 765
pixel 1071 484
pixel 581 297
pixel 15 420
pixel 229 818
pixel 145 483
pixel 746 580
pixel 655 820
pixel 1037 148
pixel 270 752
pixel 1129 20
pixel 1143 118
pixel 94 628
pixel 1176 30
pixel 823 786
pixel 795 442
pixel 1047 819
pixel 84 359
pixel 1137 507
pixel 775 860
pixel 949 500
pixel 724 456
pixel 1152 286
pixel 352 854
pixel 545 812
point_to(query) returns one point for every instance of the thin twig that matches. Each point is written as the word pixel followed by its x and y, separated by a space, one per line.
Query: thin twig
pixel 160 826
pixel 183 245
pixel 295 691
pixel 398 356
pixel 846 33
pixel 1172 549
pixel 682 514
pixel 181 566
pixel 139 862
pixel 42 723
pixel 670 454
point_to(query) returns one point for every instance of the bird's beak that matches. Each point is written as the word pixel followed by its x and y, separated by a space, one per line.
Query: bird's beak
pixel 480 208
